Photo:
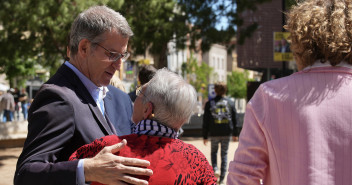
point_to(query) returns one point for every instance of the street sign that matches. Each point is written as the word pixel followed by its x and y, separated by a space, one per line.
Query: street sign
pixel 282 51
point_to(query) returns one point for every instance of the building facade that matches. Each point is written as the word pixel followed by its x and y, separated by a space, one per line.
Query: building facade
pixel 218 59
pixel 257 51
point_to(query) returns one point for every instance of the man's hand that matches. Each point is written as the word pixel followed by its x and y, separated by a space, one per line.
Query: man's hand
pixel 205 141
pixel 108 168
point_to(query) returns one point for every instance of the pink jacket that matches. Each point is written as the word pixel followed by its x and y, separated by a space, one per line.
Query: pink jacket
pixel 298 131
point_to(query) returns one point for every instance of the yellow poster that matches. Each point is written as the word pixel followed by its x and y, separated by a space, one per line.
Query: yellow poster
pixel 282 51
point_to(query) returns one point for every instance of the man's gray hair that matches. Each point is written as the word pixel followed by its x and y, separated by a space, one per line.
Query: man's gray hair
pixel 93 22
pixel 173 98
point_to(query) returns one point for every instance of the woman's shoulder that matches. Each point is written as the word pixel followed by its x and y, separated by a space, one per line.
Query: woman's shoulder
pixel 281 85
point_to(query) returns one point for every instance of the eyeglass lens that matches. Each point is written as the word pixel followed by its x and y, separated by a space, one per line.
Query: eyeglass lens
pixel 114 56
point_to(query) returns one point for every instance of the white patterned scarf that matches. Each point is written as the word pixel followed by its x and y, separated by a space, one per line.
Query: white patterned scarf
pixel 153 128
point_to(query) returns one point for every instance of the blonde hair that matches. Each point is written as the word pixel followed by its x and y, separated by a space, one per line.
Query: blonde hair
pixel 116 82
pixel 321 30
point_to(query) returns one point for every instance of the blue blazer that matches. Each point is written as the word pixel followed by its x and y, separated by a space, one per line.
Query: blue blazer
pixel 119 109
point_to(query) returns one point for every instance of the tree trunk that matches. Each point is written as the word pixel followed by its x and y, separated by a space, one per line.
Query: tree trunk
pixel 162 62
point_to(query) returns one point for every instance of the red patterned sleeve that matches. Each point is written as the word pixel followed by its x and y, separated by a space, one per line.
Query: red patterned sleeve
pixel 200 168
pixel 92 149
pixel 207 170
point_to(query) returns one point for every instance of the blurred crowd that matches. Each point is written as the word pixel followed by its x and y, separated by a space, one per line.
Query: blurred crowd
pixel 14 104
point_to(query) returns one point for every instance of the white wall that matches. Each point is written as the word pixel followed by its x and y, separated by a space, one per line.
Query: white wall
pixel 175 58
pixel 217 59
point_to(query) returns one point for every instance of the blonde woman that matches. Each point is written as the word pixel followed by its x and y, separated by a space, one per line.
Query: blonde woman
pixel 297 129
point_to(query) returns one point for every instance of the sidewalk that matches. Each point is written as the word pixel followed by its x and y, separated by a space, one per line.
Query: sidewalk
pixel 12 135
pixel 198 142
pixel 8 160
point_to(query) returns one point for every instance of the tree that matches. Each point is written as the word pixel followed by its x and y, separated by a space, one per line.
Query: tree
pixel 19 69
pixel 204 15
pixel 237 84
pixel 197 75
pixel 184 20
pixel 33 28
pixel 45 28
pixel 154 22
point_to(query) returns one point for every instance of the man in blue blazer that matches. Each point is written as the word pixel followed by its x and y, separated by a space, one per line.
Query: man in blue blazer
pixel 68 110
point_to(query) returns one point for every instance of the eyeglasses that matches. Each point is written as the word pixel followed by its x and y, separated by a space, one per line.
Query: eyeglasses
pixel 139 91
pixel 115 56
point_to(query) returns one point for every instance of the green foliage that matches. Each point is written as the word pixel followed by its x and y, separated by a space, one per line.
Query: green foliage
pixel 32 28
pixel 237 84
pixel 197 74
pixel 19 69
pixel 289 4
pixel 205 14
pixel 154 23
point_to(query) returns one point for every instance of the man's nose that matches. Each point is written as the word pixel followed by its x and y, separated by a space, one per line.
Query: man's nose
pixel 117 64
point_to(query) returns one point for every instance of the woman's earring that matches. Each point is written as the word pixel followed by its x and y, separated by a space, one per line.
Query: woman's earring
pixel 152 115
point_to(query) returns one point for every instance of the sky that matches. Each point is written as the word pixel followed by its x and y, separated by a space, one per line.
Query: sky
pixel 223 22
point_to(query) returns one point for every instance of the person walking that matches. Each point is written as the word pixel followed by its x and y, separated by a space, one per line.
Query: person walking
pixel 219 123
pixel 16 95
pixel 23 99
pixel 8 105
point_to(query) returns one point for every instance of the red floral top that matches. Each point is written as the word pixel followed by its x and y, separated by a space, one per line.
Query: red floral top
pixel 172 161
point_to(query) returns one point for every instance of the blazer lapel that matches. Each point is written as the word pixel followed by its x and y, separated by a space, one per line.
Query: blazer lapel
pixel 108 105
pixel 101 120
pixel 110 124
pixel 82 92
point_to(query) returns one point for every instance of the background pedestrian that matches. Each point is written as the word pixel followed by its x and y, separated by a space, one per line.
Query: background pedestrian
pixel 219 123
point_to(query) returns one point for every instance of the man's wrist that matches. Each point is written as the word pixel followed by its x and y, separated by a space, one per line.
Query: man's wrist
pixel 88 169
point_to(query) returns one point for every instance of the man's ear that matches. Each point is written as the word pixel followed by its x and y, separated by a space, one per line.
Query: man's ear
pixel 83 48
pixel 148 110
pixel 68 53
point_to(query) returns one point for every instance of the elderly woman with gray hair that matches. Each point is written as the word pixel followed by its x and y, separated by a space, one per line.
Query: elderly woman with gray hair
pixel 162 106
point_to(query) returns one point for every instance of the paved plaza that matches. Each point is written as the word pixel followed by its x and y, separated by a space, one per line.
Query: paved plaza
pixel 9 156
